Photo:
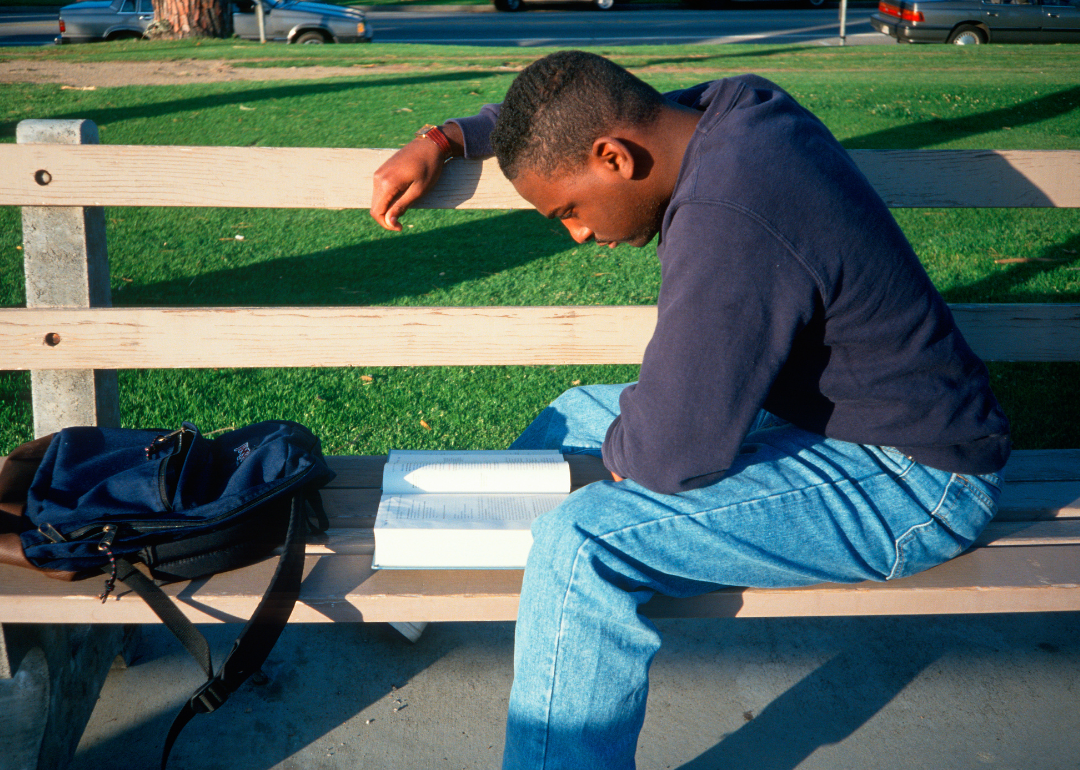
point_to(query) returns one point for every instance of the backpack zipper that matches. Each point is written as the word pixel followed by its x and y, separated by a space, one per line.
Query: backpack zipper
pixel 82 533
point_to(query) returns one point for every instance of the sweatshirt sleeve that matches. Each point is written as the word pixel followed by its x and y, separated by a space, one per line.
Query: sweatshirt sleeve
pixel 734 296
pixel 476 131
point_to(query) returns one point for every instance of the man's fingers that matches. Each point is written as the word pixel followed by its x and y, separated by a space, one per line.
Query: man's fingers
pixel 389 204
pixel 410 172
pixel 400 205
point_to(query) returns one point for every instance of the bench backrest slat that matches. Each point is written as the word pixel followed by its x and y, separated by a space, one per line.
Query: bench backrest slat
pixel 138 338
pixel 309 177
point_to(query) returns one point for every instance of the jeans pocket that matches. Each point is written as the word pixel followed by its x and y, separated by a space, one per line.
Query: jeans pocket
pixel 924 546
pixel 965 508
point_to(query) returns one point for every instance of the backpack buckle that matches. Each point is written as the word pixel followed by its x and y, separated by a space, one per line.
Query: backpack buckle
pixel 210 697
pixel 161 443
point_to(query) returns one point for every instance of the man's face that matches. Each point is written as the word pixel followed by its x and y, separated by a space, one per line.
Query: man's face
pixel 595 204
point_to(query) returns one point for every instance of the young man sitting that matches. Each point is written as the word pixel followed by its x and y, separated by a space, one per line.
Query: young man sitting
pixel 807 410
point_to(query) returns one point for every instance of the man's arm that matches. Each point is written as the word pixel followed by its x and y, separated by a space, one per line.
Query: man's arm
pixel 733 300
pixel 416 167
pixel 409 173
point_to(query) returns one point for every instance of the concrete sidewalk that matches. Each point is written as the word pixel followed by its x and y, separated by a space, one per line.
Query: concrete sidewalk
pixel 862 694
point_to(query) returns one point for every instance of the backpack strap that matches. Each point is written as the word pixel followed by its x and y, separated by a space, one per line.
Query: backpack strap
pixel 164 607
pixel 256 640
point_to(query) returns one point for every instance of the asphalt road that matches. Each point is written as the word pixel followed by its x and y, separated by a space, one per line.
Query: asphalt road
pixel 564 25
pixel 548 24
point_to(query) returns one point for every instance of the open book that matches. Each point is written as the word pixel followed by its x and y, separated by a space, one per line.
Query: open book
pixel 465 510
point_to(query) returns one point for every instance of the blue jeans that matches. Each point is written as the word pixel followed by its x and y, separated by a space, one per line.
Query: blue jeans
pixel 795 509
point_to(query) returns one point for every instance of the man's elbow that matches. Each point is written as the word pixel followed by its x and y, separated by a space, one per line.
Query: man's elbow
pixel 672 478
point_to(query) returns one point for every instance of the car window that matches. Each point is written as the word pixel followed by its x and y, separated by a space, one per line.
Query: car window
pixel 146 6
pixel 128 6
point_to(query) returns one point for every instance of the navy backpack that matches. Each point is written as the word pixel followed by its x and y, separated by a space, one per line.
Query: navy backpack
pixel 87 501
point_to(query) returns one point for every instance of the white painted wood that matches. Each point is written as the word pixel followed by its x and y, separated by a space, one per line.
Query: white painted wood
pixel 973 178
pixel 135 338
pixel 252 177
pixel 1021 332
pixel 229 177
pixel 344 588
pixel 1043 465
pixel 337 336
pixel 1020 501
pixel 1013 533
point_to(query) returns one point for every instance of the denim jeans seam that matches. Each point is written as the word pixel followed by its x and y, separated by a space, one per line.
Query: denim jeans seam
pixel 550 695
pixel 899 547
pixel 772 499
pixel 944 496
pixel 975 492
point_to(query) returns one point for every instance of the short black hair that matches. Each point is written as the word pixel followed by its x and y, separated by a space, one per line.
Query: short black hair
pixel 558 105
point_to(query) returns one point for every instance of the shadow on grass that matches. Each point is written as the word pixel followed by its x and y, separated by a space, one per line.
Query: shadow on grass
pixel 721 57
pixel 248 96
pixel 1018 282
pixel 929 133
pixel 377 272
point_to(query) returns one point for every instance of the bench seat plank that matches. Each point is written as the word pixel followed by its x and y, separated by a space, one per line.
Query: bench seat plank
pixel 1020 501
pixel 1053 490
pixel 343 588
pixel 365 471
pixel 361 540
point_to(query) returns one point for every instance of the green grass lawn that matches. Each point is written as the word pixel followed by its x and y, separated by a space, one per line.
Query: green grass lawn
pixel 1019 97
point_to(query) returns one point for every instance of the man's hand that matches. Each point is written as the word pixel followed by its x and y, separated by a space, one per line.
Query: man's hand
pixel 410 172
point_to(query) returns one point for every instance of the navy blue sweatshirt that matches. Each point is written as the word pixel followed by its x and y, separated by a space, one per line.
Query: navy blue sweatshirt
pixel 787 285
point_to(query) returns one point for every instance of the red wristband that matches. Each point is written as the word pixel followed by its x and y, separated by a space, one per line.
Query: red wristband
pixel 435 134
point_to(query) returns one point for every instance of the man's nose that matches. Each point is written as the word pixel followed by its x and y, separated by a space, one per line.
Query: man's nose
pixel 578 231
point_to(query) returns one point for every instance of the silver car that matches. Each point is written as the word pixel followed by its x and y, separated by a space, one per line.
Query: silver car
pixel 290 21
pixel 972 22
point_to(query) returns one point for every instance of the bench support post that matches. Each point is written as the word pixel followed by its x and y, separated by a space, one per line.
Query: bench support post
pixel 66 264
pixel 50 675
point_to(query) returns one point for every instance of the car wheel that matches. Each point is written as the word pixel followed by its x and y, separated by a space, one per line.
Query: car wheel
pixel 508 5
pixel 967 36
pixel 309 38
pixel 604 5
pixel 816 3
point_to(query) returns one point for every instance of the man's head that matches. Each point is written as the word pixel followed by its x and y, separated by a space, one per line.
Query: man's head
pixel 560 104
pixel 588 143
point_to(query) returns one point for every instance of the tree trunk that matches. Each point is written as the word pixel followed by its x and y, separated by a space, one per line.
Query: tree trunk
pixel 179 19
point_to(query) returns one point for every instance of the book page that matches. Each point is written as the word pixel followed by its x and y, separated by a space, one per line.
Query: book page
pixel 475 455
pixel 463 511
pixel 491 472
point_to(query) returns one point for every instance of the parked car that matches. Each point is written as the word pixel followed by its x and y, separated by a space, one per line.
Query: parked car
pixel 606 5
pixel 291 21
pixel 518 5
pixel 973 22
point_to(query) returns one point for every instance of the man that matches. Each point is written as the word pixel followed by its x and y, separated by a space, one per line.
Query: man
pixel 806 412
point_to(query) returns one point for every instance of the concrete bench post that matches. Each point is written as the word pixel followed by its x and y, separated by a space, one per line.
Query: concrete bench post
pixel 66 264
pixel 50 675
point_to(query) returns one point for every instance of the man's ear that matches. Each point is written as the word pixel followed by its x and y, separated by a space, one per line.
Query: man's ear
pixel 612 156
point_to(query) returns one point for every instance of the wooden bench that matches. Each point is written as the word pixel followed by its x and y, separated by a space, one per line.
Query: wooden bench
pixel 1027 561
